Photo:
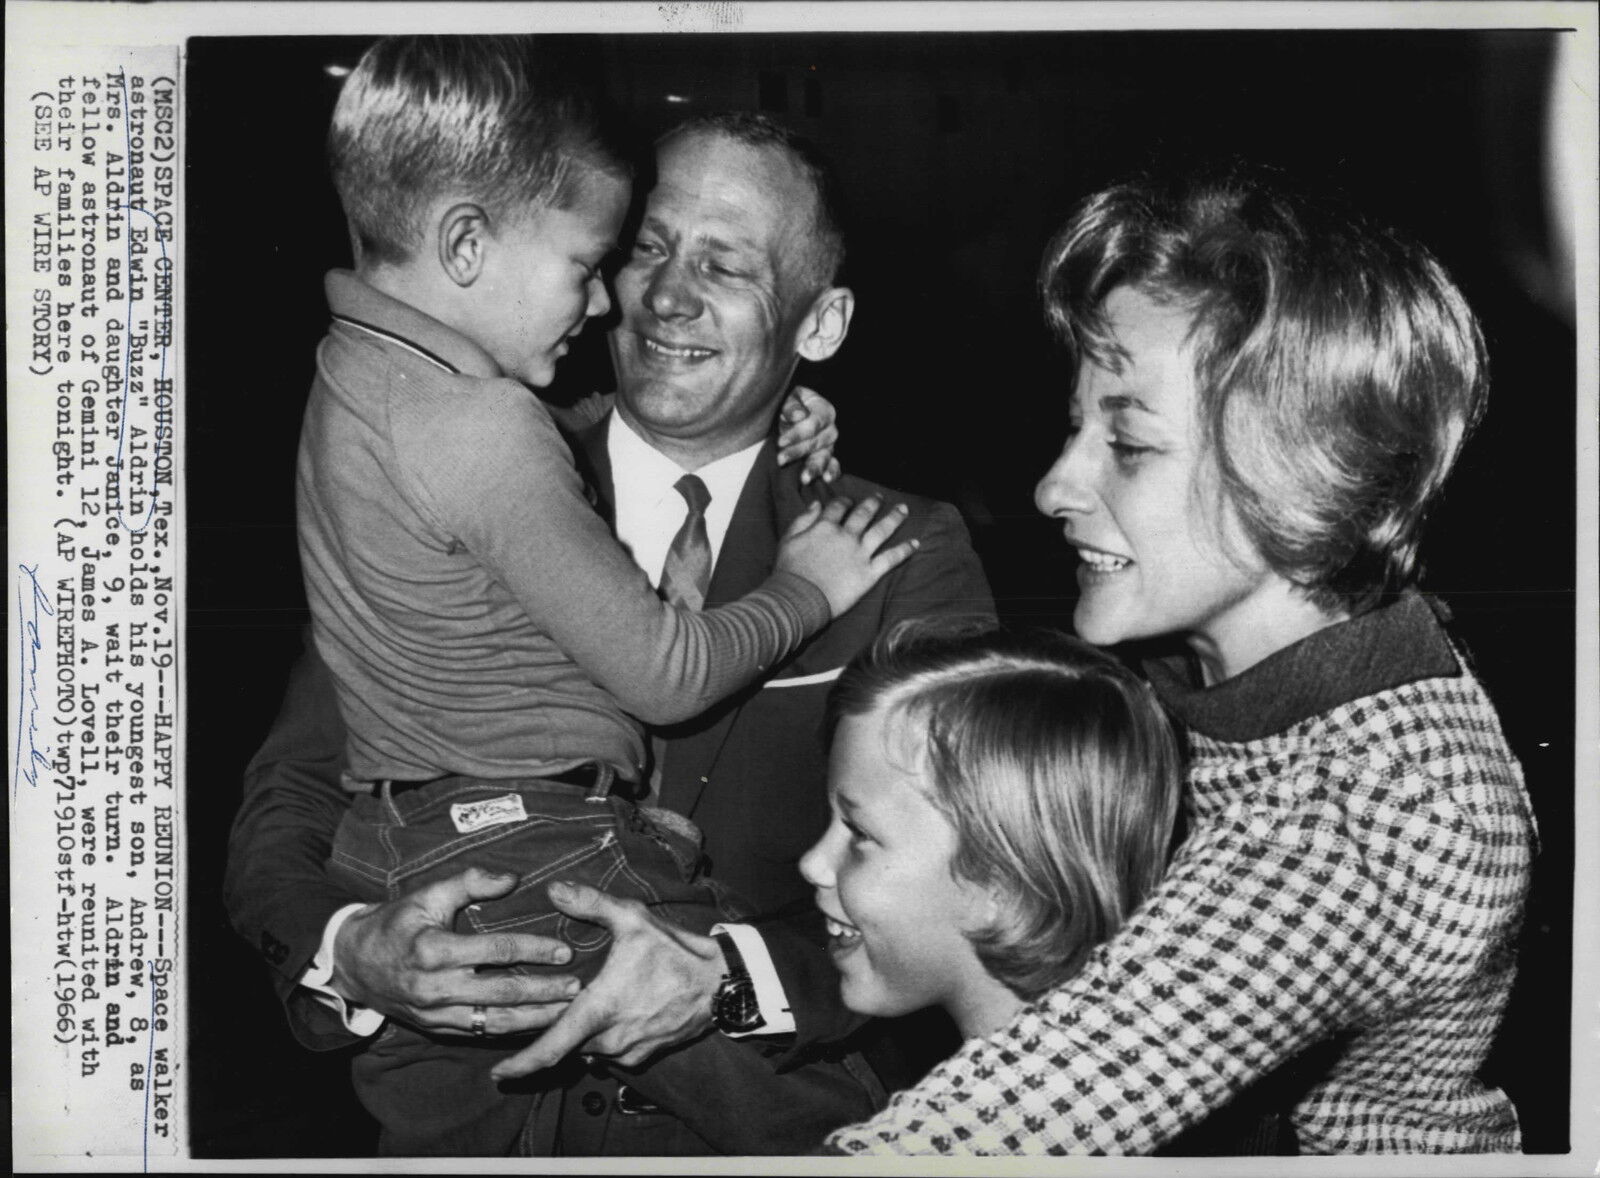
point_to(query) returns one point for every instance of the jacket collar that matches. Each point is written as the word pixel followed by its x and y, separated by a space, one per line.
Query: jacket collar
pixel 1387 647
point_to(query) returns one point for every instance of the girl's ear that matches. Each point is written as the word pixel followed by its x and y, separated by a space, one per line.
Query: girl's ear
pixel 825 325
pixel 986 906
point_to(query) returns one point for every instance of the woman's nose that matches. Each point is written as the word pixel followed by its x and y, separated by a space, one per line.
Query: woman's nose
pixel 1064 489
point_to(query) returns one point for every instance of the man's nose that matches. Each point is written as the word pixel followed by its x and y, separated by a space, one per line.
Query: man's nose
pixel 1064 489
pixel 672 292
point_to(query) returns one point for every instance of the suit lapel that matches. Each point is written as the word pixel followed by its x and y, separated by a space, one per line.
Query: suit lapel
pixel 750 548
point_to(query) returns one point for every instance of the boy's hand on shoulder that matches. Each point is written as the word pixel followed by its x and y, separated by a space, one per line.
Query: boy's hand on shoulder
pixel 843 548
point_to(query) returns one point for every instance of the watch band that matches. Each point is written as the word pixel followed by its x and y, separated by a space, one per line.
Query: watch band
pixel 731 957
pixel 735 1010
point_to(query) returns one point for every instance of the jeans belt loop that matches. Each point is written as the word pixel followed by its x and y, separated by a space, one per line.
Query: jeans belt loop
pixel 600 788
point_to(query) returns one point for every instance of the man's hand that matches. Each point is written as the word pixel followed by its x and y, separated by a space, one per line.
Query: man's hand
pixel 401 959
pixel 806 430
pixel 653 992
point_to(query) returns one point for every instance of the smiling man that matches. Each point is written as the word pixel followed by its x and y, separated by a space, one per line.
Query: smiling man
pixel 732 280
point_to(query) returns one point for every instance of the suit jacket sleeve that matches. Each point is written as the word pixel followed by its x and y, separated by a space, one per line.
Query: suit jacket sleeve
pixel 279 897
pixel 944 578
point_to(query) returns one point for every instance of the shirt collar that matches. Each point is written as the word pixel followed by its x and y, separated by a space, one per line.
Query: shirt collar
pixel 641 472
pixel 1385 648
pixel 366 308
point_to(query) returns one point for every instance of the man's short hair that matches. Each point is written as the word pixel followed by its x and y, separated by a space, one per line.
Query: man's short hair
pixel 1338 368
pixel 1053 763
pixel 422 117
pixel 825 251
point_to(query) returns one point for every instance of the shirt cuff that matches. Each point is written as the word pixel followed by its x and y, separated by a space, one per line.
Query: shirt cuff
pixel 776 1017
pixel 318 978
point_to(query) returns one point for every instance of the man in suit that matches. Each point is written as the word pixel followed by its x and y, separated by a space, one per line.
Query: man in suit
pixel 731 279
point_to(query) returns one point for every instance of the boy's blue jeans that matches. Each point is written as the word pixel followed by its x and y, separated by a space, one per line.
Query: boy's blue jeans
pixel 432 1092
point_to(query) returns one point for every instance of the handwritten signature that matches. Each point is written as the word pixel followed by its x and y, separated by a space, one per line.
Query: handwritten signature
pixel 29 613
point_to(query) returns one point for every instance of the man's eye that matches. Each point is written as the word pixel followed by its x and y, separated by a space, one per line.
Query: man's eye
pixel 646 249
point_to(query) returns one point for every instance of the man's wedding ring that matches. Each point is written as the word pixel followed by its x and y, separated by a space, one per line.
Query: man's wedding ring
pixel 480 1021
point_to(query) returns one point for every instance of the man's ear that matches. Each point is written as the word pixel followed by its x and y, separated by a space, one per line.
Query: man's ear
pixel 826 324
pixel 463 242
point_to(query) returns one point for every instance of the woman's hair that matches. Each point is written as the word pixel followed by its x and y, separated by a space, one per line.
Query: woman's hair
pixel 421 117
pixel 1053 763
pixel 1338 368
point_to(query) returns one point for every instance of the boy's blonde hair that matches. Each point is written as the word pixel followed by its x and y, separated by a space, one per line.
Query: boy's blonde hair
pixel 1055 766
pixel 424 117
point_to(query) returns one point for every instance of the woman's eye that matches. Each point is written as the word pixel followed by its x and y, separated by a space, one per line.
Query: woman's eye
pixel 1128 451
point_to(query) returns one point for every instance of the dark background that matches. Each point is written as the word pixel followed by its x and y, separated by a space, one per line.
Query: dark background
pixel 959 154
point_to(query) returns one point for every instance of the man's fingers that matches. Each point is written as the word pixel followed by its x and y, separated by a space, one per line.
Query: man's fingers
pixel 523 1063
pixel 444 898
pixel 437 949
pixel 569 1032
pixel 497 1020
pixel 521 1019
pixel 439 989
pixel 585 903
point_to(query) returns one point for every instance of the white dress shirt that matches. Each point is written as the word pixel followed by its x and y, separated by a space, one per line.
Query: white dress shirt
pixel 649 512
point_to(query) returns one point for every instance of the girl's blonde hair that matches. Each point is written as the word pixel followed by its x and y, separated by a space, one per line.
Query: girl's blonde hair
pixel 1054 764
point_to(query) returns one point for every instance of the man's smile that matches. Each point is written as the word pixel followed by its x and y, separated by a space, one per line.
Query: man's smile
pixel 685 352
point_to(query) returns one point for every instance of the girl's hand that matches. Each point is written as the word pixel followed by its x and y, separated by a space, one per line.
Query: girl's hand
pixel 806 430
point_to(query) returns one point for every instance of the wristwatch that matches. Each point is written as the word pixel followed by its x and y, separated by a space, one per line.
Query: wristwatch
pixel 734 1009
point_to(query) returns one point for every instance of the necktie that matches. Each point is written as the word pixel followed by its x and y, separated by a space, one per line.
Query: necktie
pixel 686 574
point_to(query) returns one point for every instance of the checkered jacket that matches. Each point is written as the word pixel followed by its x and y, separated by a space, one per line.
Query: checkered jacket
pixel 1354 880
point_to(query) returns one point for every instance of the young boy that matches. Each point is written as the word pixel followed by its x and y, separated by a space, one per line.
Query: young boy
pixel 1268 397
pixel 494 648
pixel 1000 806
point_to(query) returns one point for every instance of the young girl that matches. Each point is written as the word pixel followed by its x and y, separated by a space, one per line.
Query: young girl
pixel 1000 805
pixel 1268 397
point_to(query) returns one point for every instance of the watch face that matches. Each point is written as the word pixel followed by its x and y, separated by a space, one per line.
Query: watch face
pixel 736 1008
